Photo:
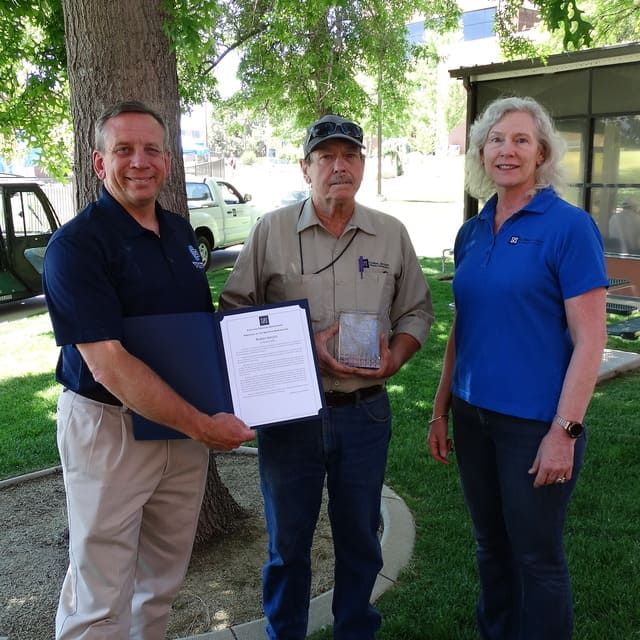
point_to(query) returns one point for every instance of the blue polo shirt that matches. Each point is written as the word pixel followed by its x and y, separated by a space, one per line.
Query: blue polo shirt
pixel 102 266
pixel 512 340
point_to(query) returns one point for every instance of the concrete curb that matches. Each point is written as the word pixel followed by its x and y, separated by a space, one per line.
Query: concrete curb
pixel 9 482
pixel 397 542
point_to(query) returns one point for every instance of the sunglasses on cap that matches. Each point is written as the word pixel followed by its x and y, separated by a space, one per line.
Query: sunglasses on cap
pixel 324 129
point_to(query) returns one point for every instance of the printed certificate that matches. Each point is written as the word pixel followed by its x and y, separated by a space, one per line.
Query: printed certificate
pixel 258 363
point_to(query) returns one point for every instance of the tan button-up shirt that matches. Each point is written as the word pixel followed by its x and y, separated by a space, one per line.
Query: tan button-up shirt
pixel 371 267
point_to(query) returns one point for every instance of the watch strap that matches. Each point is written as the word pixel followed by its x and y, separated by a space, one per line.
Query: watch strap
pixel 572 429
pixel 563 422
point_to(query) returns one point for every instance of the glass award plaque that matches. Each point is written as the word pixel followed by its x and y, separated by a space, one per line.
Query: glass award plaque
pixel 359 339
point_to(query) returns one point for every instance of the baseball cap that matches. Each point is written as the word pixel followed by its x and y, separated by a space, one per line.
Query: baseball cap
pixel 332 127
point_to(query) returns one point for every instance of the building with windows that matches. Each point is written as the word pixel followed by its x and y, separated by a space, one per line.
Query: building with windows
pixel 594 98
pixel 473 43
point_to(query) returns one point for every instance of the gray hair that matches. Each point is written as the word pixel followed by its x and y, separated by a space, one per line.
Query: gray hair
pixel 129 106
pixel 549 174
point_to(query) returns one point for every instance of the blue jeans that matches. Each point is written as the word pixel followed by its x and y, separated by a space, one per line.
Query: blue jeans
pixel 349 447
pixel 525 592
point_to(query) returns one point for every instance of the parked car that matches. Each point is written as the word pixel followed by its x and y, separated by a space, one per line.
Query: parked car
pixel 218 213
pixel 284 199
pixel 195 150
pixel 27 222
pixel 291 197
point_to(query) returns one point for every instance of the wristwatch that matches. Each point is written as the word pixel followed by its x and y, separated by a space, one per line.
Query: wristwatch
pixel 573 429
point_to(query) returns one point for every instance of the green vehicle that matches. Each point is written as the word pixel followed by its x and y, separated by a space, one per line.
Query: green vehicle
pixel 27 221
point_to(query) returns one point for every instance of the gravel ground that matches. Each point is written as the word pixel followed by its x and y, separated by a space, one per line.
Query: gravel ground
pixel 222 587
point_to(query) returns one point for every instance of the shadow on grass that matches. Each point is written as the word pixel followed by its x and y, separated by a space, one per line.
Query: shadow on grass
pixel 28 419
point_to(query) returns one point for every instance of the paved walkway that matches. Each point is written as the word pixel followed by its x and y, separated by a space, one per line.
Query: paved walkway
pixel 615 363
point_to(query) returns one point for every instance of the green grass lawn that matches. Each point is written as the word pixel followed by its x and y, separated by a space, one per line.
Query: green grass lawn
pixel 435 596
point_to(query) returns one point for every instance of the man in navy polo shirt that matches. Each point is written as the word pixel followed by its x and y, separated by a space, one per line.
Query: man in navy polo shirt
pixel 132 505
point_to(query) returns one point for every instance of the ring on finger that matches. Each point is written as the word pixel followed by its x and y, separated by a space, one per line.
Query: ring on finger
pixel 561 480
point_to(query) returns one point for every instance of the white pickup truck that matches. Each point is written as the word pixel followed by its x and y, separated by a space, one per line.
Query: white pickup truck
pixel 218 213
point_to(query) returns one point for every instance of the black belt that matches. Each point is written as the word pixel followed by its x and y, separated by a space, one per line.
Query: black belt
pixel 342 399
pixel 100 395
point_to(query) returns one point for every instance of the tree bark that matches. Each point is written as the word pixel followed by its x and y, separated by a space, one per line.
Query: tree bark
pixel 117 51
pixel 220 514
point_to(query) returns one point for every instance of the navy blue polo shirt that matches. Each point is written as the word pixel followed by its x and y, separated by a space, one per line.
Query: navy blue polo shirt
pixel 103 266
pixel 512 340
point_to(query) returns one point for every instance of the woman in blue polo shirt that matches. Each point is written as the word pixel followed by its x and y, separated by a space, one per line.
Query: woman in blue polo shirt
pixel 520 367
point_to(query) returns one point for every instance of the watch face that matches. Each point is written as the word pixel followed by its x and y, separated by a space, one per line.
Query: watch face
pixel 574 429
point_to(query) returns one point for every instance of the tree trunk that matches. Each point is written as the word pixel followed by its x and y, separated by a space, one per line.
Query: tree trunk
pixel 220 513
pixel 117 51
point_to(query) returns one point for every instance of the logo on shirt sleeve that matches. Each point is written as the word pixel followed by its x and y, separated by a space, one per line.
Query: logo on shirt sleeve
pixel 197 262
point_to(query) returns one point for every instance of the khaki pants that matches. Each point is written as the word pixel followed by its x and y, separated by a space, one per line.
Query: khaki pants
pixel 133 510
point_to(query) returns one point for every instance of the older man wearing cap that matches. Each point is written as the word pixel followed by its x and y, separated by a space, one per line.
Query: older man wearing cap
pixel 352 262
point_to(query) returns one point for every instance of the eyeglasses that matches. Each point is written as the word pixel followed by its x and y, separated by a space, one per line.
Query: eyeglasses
pixel 324 129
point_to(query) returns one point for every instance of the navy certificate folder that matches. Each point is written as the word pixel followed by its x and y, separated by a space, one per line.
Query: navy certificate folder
pixel 186 350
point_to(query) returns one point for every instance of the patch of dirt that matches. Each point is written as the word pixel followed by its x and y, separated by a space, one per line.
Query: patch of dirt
pixel 222 587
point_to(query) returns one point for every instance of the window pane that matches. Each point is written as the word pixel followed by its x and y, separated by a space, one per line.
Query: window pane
pixel 478 24
pixel 229 194
pixel 617 212
pixel 616 150
pixel 29 217
pixel 574 134
pixel 575 196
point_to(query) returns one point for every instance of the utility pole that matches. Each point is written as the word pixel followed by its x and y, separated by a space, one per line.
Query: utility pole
pixel 380 196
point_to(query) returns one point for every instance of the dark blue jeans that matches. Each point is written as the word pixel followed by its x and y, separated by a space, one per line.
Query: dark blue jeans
pixel 348 447
pixel 525 593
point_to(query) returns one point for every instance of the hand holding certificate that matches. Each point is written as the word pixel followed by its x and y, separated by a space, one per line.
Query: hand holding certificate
pixel 258 363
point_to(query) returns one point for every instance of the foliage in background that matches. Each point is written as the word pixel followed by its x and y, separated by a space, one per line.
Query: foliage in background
pixel 423 128
pixel 204 33
pixel 564 19
pixel 614 21
pixel 298 60
pixel 316 60
pixel 34 105
pixel 231 132
pixel 580 24
pixel 567 17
